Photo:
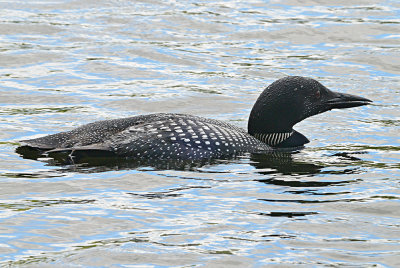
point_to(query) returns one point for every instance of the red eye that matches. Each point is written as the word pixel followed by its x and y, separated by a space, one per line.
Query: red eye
pixel 318 94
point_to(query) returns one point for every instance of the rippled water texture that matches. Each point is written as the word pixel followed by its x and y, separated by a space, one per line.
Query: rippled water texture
pixel 335 203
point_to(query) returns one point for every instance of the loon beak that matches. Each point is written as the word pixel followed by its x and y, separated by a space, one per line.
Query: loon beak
pixel 342 100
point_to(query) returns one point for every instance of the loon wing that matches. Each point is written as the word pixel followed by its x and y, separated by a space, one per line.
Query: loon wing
pixel 93 133
pixel 96 132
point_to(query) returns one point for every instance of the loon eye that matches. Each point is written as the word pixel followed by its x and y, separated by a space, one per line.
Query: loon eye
pixel 318 94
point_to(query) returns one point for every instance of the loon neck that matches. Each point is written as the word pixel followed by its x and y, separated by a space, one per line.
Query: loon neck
pixel 289 139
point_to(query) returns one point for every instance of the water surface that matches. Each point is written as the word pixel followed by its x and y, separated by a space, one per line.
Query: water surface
pixel 335 203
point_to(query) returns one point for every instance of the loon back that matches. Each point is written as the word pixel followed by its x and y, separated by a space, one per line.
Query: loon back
pixel 158 136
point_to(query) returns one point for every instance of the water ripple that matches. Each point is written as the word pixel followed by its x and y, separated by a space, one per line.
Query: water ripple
pixel 66 63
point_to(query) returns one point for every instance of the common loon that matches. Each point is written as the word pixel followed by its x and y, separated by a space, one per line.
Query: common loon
pixel 280 106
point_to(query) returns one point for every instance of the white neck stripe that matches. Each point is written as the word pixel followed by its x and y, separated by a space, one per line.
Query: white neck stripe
pixel 273 139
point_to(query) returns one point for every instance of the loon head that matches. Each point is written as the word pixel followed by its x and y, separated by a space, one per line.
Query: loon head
pixel 290 100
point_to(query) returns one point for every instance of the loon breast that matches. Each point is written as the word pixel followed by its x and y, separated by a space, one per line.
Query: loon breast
pixel 156 136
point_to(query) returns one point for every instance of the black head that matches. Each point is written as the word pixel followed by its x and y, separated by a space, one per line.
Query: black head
pixel 291 99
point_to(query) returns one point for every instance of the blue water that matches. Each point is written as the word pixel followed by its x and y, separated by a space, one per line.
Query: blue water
pixel 334 203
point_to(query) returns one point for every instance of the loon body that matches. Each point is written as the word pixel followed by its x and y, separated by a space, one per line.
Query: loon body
pixel 280 106
pixel 156 136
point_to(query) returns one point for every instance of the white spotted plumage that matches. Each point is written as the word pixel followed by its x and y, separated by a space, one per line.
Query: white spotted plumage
pixel 161 136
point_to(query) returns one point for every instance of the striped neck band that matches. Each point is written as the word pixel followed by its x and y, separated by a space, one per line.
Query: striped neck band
pixel 273 139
